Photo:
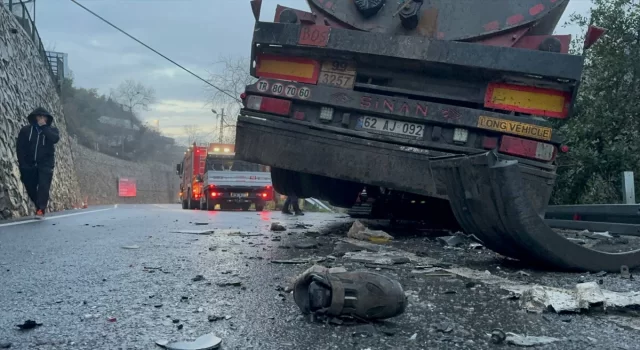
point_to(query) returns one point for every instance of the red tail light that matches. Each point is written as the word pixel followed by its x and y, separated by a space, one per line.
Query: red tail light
pixel 269 105
pixel 527 148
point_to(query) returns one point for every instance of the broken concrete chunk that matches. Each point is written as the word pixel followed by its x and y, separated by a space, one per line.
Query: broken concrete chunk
pixel 277 227
pixel 131 247
pixel 361 232
pixel 233 283
pixel 379 258
pixel 528 341
pixel 205 342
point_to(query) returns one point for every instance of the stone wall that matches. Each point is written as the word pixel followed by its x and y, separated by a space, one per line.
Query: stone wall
pixel 98 177
pixel 25 83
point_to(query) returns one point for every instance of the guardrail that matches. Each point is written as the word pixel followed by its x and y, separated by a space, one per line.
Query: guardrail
pixel 622 219
pixel 21 13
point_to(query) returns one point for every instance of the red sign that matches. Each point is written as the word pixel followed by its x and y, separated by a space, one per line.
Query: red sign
pixel 314 35
pixel 126 187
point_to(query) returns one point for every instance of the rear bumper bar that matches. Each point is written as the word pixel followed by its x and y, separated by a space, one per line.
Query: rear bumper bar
pixel 300 148
pixel 415 48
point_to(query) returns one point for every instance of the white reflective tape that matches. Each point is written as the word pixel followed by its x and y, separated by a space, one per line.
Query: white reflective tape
pixel 460 135
pixel 544 151
pixel 254 102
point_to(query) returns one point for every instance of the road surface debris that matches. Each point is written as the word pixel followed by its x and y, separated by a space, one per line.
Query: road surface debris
pixel 359 231
pixel 205 342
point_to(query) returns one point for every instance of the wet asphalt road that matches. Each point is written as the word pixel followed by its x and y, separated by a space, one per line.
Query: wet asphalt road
pixel 79 277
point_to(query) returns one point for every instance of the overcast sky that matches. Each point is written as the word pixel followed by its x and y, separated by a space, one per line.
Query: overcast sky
pixel 195 33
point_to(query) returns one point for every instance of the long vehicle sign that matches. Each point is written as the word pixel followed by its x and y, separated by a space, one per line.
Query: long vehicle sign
pixel 410 110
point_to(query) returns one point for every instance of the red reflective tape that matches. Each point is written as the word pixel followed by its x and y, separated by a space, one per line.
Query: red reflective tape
pixel 535 10
pixel 515 19
pixel 527 148
pixel 275 105
pixel 491 26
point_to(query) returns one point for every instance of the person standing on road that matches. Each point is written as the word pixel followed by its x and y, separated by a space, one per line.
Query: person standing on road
pixel 35 148
pixel 291 201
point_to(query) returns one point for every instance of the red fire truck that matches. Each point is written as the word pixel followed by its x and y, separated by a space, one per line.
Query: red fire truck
pixel 191 171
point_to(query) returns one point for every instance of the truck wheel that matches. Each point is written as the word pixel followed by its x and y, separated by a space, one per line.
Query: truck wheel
pixel 245 207
pixel 193 204
pixel 211 205
pixel 185 205
pixel 259 207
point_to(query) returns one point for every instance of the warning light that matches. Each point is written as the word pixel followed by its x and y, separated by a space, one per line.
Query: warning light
pixel 226 150
pixel 217 149
pixel 564 148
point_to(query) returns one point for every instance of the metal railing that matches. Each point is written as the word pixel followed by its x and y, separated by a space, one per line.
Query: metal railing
pixel 21 13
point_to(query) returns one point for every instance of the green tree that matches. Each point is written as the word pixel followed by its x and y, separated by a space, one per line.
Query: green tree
pixel 604 132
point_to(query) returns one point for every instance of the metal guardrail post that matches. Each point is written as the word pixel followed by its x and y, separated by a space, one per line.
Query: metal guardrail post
pixel 628 188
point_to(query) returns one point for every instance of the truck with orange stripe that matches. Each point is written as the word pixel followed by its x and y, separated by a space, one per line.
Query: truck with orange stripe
pixel 439 109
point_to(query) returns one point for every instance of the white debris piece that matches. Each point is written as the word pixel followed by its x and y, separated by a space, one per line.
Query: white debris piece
pixel 602 234
pixel 205 342
pixel 585 295
pixel 379 258
pixel 528 341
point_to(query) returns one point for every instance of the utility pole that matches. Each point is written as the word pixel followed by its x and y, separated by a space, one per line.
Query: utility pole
pixel 221 116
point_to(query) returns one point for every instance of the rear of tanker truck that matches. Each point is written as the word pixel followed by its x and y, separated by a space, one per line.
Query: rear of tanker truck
pixel 447 100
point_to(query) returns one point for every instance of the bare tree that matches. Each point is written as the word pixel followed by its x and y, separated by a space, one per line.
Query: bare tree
pixel 134 96
pixel 195 133
pixel 231 76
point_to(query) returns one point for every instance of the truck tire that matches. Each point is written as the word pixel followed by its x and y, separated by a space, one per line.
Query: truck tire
pixel 259 206
pixel 343 194
pixel 245 207
pixel 185 204
pixel 193 204
pixel 368 8
pixel 211 205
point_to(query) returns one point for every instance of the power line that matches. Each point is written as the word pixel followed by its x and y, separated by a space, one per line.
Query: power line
pixel 158 53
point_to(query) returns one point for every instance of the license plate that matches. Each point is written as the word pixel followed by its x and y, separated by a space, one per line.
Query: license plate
pixel 314 35
pixel 391 126
pixel 240 195
pixel 335 79
pixel 337 73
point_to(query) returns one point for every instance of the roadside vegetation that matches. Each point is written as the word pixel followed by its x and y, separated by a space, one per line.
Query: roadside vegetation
pixel 604 132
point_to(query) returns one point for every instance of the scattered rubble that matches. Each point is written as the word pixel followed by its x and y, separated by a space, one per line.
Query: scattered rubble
pixel 233 283
pixel 379 258
pixel 530 341
pixel 5 345
pixel 205 342
pixel 198 278
pixel 585 296
pixel 361 232
pixel 452 241
pixel 305 244
pixel 195 232
pixel 624 272
pixel 131 247
pixel 29 324
pixel 277 227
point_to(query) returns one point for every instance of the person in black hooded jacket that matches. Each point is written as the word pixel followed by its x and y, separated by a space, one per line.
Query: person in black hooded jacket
pixel 36 156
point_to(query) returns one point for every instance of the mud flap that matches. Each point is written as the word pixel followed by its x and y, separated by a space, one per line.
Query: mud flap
pixel 489 200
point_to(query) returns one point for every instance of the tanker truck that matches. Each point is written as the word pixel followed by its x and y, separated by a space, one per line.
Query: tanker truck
pixel 441 109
